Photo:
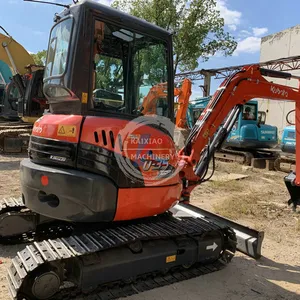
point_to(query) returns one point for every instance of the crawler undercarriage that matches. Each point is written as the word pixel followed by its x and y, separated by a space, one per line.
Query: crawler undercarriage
pixel 107 261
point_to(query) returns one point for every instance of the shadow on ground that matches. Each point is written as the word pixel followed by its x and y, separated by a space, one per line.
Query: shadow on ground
pixel 243 278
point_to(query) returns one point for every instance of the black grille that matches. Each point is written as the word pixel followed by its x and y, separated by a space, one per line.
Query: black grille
pixel 106 138
pixel 54 152
pixel 102 161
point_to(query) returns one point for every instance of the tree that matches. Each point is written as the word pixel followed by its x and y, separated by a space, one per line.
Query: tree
pixel 198 26
pixel 40 57
pixel 109 74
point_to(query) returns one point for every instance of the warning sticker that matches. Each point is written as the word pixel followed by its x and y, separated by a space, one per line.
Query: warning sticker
pixel 170 258
pixel 66 130
pixel 84 97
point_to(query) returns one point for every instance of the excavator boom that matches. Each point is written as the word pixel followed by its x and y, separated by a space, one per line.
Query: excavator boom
pixel 159 91
pixel 184 94
pixel 236 90
pixel 14 55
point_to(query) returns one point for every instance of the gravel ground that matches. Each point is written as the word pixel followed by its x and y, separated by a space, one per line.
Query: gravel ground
pixel 275 276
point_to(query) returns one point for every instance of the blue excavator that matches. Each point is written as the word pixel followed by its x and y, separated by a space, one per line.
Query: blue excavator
pixel 287 160
pixel 249 138
pixel 288 141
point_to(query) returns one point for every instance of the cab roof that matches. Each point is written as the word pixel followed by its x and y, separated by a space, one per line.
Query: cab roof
pixel 124 18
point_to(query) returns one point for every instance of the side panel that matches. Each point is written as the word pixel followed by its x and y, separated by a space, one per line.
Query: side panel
pixel 120 148
pixel 267 133
pixel 119 169
pixel 58 127
pixel 54 140
pixel 142 202
pixel 252 136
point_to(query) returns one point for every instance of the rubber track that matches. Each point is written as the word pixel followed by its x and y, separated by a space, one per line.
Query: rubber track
pixel 15 126
pixel 14 132
pixel 11 204
pixel 15 205
pixel 247 155
pixel 144 283
pixel 285 159
pixel 58 250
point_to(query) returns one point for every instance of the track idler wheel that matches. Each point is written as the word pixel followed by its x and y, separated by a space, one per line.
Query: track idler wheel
pixel 42 284
pixel 46 285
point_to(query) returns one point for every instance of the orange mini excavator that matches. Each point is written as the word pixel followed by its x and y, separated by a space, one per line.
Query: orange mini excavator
pixel 157 98
pixel 101 185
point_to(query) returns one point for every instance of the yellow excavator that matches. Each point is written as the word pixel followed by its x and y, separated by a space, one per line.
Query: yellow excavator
pixel 22 98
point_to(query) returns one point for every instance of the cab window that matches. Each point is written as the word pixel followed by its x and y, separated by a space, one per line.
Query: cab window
pixel 130 72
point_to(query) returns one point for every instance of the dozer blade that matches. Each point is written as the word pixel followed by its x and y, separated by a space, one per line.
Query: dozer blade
pixel 293 189
pixel 249 241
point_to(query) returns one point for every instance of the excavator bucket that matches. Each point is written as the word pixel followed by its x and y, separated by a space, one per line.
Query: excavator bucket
pixel 293 189
pixel 14 55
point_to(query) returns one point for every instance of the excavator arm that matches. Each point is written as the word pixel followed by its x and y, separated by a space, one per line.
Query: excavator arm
pixel 183 94
pixel 149 105
pixel 159 91
pixel 14 54
pixel 208 133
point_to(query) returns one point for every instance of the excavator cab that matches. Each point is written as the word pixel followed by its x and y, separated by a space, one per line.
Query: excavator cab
pixel 10 102
pixel 118 58
pixel 33 103
pixel 23 101
pixel 118 55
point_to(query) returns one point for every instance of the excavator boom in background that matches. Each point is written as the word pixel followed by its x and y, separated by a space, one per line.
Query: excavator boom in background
pixel 158 93
pixel 101 186
pixel 250 138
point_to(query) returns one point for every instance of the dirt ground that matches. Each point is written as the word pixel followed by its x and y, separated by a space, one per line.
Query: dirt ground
pixel 258 200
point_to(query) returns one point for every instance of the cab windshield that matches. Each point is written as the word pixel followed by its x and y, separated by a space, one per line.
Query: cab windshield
pixel 249 112
pixel 58 49
pixel 130 72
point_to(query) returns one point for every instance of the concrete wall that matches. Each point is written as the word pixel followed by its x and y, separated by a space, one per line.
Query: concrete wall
pixel 279 45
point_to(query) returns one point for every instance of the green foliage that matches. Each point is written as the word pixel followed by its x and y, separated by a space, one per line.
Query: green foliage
pixel 40 57
pixel 199 29
pixel 149 69
pixel 109 74
pixel 150 65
